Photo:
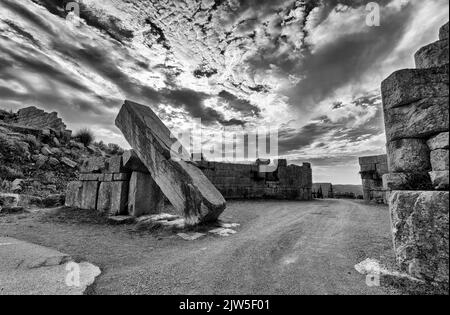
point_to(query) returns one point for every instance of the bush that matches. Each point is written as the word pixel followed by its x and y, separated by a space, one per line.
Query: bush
pixel 114 149
pixel 85 136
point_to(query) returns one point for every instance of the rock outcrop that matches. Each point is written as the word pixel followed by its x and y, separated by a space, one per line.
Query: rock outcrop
pixel 416 107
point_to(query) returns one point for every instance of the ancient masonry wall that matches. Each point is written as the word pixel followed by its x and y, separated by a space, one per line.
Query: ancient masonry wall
pixel 416 108
pixel 372 170
pixel 245 181
pixel 122 185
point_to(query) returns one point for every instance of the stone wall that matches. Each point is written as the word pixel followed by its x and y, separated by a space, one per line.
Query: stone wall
pixel 245 181
pixel 416 112
pixel 372 170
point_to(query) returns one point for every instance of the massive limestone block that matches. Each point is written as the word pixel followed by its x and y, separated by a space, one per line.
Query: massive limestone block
pixel 187 188
pixel 419 119
pixel 408 156
pixel 407 181
pixel 112 198
pixel 420 228
pixel 433 55
pixel 410 85
pixel 440 160
pixel 440 180
pixel 89 195
pixel 145 197
pixel 441 141
pixel 443 32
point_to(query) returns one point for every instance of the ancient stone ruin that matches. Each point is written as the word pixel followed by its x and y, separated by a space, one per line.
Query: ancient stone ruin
pixel 372 170
pixel 322 190
pixel 416 108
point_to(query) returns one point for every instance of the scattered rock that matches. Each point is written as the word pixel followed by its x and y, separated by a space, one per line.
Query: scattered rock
pixel 441 141
pixel 46 151
pixel 17 185
pixel 121 220
pixel 440 180
pixel 191 236
pixel 69 162
pixel 223 232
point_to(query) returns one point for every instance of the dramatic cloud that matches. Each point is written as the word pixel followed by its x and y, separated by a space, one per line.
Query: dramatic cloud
pixel 311 68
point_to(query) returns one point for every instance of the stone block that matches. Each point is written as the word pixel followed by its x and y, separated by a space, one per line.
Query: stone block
pixel 420 228
pixel 145 197
pixel 69 162
pixel 408 156
pixel 443 32
pixel 187 188
pixel 85 177
pixel 94 165
pixel 419 119
pixel 433 55
pixel 89 195
pixel 115 164
pixel 74 193
pixel 113 198
pixel 440 180
pixel 132 163
pixel 108 177
pixel 121 177
pixel 440 160
pixel 411 85
pixel 407 181
pixel 441 141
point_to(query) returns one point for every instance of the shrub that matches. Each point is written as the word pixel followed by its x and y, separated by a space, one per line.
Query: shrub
pixel 114 149
pixel 85 136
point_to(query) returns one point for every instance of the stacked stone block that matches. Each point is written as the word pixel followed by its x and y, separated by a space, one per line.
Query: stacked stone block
pixel 372 170
pixel 416 112
pixel 246 181
pixel 120 185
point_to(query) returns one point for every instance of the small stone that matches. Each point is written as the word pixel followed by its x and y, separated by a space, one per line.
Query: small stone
pixel 56 142
pixel 17 185
pixel 223 232
pixel 46 151
pixel 440 180
pixel 441 141
pixel 440 160
pixel 191 236
pixel 69 162
pixel 53 162
pixel 121 220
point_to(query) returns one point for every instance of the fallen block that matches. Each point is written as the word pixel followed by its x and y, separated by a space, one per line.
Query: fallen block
pixel 185 185
pixel 144 196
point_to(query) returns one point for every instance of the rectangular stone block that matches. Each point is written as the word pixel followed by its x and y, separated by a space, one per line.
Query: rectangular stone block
pixel 89 195
pixel 91 177
pixel 115 164
pixel 411 85
pixel 74 193
pixel 94 165
pixel 113 198
pixel 408 156
pixel 420 228
pixel 440 180
pixel 145 197
pixel 108 177
pixel 440 160
pixel 433 55
pixel 407 181
pixel 122 177
pixel 419 119
pixel 441 141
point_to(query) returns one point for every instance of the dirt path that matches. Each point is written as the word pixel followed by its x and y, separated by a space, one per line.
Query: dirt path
pixel 280 248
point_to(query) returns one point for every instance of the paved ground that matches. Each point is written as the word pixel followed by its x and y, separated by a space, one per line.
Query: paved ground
pixel 280 248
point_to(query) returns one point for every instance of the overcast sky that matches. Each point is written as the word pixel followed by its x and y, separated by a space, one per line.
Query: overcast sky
pixel 310 68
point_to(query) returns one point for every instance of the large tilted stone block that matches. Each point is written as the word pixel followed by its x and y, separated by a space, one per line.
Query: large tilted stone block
pixel 433 55
pixel 89 195
pixel 144 196
pixel 182 182
pixel 420 229
pixel 441 141
pixel 113 198
pixel 74 194
pixel 440 180
pixel 132 163
pixel 408 156
pixel 410 85
pixel 407 181
pixel 419 119
pixel 440 160
pixel 443 32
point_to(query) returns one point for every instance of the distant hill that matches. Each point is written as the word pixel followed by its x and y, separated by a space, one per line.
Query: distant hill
pixel 356 189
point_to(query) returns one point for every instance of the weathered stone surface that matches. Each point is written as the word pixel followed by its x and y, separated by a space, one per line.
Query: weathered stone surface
pixel 440 160
pixel 441 141
pixel 87 177
pixel 108 177
pixel 112 198
pixel 420 227
pixel 407 181
pixel 37 118
pixel 94 165
pixel 408 156
pixel 443 32
pixel 115 164
pixel 132 163
pixel 433 55
pixel 419 119
pixel 144 196
pixel 120 177
pixel 89 195
pixel 440 180
pixel 187 188
pixel 121 220
pixel 411 85
pixel 74 194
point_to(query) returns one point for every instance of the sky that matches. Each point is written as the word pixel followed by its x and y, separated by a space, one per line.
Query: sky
pixel 310 69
